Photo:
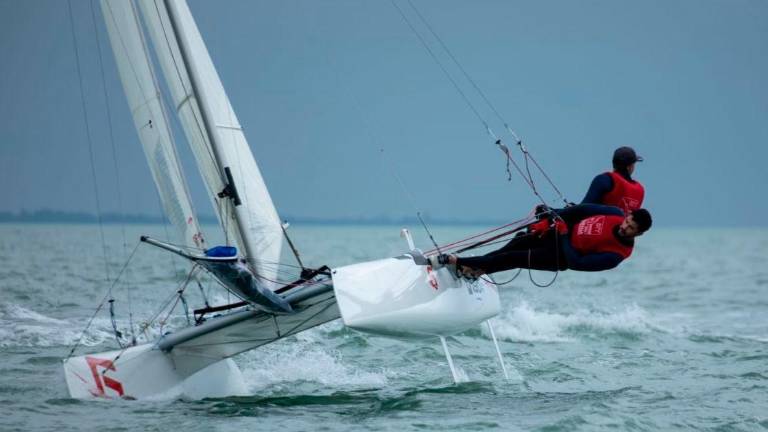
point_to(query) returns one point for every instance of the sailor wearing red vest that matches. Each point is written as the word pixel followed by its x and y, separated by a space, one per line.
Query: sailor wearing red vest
pixel 587 237
pixel 617 188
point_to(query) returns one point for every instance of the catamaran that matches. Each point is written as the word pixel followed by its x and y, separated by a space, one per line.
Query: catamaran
pixel 390 296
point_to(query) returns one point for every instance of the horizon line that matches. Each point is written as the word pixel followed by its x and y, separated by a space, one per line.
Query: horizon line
pixel 62 216
pixel 44 216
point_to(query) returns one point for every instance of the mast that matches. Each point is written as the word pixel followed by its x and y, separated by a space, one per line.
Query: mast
pixel 207 116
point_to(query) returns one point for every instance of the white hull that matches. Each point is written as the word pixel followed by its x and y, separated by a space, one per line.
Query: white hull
pixel 392 296
pixel 142 372
pixel 195 361
pixel 396 297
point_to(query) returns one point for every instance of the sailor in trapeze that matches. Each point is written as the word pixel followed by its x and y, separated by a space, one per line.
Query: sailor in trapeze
pixel 584 237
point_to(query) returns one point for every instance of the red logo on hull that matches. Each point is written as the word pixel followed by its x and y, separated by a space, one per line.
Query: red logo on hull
pixel 101 380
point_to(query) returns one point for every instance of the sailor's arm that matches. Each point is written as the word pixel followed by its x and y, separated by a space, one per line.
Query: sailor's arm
pixel 601 185
pixel 589 262
pixel 574 214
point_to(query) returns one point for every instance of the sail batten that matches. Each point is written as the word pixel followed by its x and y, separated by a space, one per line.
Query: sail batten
pixel 145 103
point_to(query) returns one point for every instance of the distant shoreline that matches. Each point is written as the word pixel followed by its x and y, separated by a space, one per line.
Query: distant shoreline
pixel 56 216
pixel 46 216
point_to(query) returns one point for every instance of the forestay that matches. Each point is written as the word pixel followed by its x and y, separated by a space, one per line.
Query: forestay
pixel 149 118
pixel 216 139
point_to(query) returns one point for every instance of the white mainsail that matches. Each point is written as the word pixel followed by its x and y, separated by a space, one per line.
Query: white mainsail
pixel 214 133
pixel 144 100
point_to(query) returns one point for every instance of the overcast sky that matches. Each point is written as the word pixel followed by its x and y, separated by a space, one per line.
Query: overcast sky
pixel 321 86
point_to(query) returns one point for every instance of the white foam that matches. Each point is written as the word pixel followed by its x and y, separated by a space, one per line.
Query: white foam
pixel 22 327
pixel 19 313
pixel 526 324
pixel 301 360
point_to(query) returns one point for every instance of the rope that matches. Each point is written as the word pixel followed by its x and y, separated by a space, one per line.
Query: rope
pixel 187 92
pixel 181 288
pixel 505 282
pixel 280 334
pixel 291 276
pixel 517 225
pixel 455 61
pixel 109 123
pixel 118 335
pixel 557 264
pixel 147 324
pixel 155 89
pixel 89 140
pixel 186 306
pixel 501 238
pixel 101 304
pixel 376 142
pixel 202 293
pixel 529 178
pixel 442 67
pixel 528 155
pixel 408 195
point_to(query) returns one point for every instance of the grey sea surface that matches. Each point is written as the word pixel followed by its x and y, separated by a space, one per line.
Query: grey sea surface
pixel 676 338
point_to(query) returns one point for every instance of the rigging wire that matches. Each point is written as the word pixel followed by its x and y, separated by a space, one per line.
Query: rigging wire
pixel 442 67
pixel 526 153
pixel 515 226
pixel 506 282
pixel 182 286
pixel 408 194
pixel 140 84
pixel 178 294
pixel 103 300
pixel 274 265
pixel 557 265
pixel 496 139
pixel 527 176
pixel 329 302
pixel 488 102
pixel 90 142
pixel 110 128
pixel 202 293
pixel 455 61
pixel 189 94
pixel 164 112
pixel 367 127
pixel 112 319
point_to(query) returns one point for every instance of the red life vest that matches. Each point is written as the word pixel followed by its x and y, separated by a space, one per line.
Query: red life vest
pixel 595 235
pixel 626 195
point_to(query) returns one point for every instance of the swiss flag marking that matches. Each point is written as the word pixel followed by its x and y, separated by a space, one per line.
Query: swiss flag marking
pixel 431 278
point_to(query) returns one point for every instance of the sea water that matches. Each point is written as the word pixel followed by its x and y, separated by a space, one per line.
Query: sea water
pixel 676 338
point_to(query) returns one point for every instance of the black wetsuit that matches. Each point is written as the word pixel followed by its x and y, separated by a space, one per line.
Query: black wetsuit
pixel 550 251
